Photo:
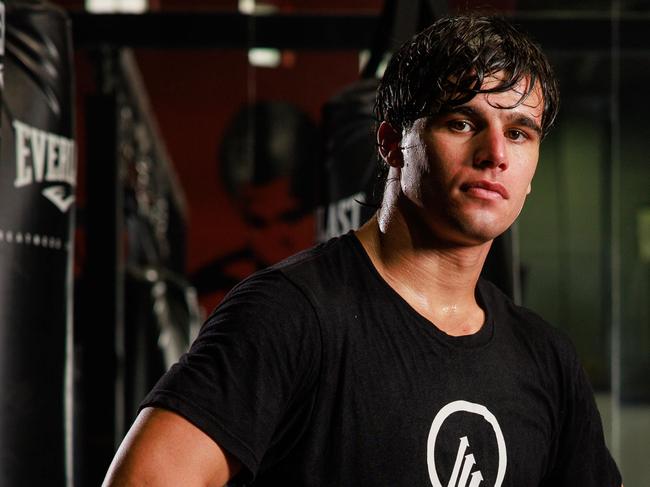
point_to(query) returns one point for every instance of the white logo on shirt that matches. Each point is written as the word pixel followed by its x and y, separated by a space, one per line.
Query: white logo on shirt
pixel 462 475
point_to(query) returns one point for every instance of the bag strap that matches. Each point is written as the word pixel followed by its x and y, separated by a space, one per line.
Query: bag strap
pixel 398 21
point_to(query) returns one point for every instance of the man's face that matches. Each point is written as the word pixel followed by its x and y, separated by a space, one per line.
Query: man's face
pixel 466 172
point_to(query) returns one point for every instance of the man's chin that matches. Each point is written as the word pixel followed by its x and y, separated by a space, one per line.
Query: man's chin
pixel 479 234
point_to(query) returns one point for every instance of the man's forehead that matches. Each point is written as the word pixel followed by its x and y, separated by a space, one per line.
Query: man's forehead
pixel 519 92
pixel 518 98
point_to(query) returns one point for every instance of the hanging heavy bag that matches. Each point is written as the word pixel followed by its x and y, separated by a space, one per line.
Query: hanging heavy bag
pixel 350 162
pixel 37 180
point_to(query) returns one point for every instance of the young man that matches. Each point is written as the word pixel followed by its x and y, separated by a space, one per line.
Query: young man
pixel 381 358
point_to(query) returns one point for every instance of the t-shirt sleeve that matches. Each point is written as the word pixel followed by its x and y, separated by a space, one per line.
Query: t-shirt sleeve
pixel 248 380
pixel 582 456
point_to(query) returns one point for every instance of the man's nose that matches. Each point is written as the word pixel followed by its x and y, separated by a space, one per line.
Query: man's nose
pixel 490 150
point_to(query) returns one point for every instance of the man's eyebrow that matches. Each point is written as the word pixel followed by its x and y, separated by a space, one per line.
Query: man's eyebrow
pixel 526 121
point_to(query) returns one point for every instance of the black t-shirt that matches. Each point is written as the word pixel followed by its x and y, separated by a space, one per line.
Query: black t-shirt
pixel 316 372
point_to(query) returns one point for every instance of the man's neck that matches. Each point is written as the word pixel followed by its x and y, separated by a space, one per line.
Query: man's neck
pixel 438 282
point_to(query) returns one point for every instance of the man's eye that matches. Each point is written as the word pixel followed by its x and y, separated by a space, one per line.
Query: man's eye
pixel 460 125
pixel 517 135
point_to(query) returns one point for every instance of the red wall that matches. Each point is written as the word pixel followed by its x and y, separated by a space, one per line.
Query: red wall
pixel 194 94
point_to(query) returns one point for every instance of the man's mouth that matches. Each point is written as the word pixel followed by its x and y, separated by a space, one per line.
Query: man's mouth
pixel 485 189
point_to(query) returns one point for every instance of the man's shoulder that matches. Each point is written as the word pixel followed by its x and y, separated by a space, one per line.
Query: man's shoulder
pixel 326 267
pixel 319 269
pixel 331 253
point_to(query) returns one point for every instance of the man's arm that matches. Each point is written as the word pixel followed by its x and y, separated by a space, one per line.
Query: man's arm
pixel 164 449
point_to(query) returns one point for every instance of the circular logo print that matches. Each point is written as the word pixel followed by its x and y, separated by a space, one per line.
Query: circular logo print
pixel 465 472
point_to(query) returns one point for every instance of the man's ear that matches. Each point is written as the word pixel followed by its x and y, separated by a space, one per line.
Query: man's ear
pixel 389 140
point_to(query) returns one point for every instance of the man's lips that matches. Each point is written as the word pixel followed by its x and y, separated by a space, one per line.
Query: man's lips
pixel 485 189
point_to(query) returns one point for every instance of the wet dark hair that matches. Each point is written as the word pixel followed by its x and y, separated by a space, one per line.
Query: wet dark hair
pixel 445 66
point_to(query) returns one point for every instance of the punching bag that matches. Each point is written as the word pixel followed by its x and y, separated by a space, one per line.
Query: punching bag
pixel 37 180
pixel 350 161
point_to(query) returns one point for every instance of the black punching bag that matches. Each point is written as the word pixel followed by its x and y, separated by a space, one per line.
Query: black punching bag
pixel 352 189
pixel 37 180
